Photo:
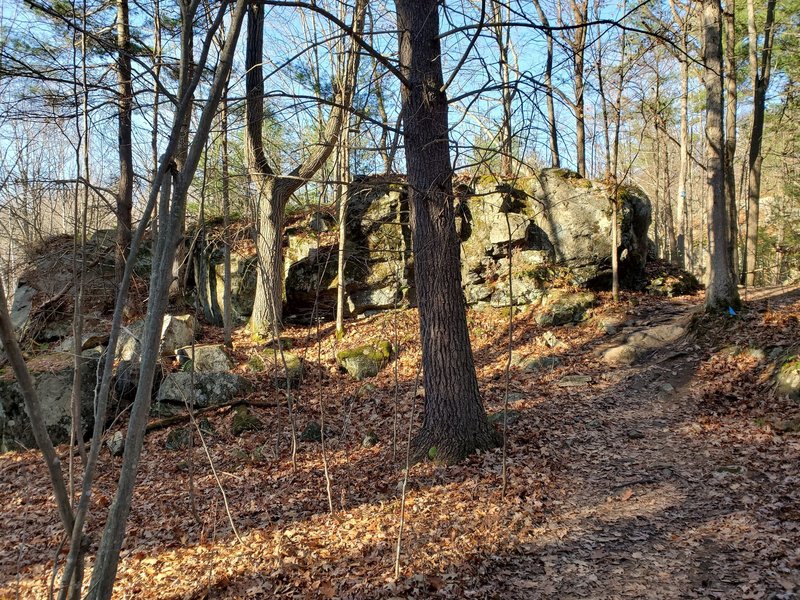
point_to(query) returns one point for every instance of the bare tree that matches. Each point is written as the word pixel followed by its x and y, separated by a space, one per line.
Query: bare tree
pixel 455 422
pixel 760 74
pixel 721 292
pixel 273 190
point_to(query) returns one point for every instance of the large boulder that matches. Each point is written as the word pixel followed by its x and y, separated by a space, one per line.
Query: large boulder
pixel 177 331
pixel 208 262
pixel 54 390
pixel 556 225
pixel 207 358
pixel 209 388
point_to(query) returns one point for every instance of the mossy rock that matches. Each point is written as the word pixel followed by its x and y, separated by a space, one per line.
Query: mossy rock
pixel 788 379
pixel 179 439
pixel 672 285
pixel 498 417
pixel 313 432
pixel 244 420
pixel 290 374
pixel 561 308
pixel 365 361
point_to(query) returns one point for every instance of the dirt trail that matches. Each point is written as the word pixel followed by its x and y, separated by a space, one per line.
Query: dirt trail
pixel 649 508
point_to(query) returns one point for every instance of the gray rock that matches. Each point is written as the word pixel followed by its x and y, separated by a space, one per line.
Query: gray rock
pixel 210 358
pixel 312 432
pixel 54 390
pixel 179 439
pixel 642 343
pixel 321 222
pixel 370 440
pixel 364 361
pixel 499 228
pixel 244 420
pixel 90 340
pixel 290 374
pixel 126 380
pixel 498 417
pixel 561 307
pixel 176 332
pixel 209 388
pixel 116 444
pixel 574 381
pixel 542 363
pixel 22 304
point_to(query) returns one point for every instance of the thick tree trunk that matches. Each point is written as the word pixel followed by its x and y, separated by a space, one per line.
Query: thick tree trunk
pixel 721 292
pixel 455 422
pixel 125 139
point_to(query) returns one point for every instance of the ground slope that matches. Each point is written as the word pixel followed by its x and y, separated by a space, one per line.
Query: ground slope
pixel 673 477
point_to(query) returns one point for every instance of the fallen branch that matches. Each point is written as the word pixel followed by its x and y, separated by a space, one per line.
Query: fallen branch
pixel 175 419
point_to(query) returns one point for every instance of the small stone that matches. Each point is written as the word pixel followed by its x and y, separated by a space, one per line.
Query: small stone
pixel 540 364
pixel 574 381
pixel 312 432
pixel 365 361
pixel 370 440
pixel 667 388
pixel 116 444
pixel 179 439
pixel 635 434
pixel 244 420
pixel 497 418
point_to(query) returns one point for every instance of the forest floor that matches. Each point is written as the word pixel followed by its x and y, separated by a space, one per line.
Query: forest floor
pixel 676 477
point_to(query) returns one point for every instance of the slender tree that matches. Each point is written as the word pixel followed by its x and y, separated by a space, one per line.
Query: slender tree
pixel 760 75
pixel 273 190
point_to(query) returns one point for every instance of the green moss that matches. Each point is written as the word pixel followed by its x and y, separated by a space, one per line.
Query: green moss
pixel 380 352
pixel 256 364
pixel 244 420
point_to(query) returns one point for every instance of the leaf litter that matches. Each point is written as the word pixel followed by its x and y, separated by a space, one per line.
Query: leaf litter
pixel 673 478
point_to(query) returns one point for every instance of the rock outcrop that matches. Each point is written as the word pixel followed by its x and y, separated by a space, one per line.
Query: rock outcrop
pixel 556 226
pixel 54 390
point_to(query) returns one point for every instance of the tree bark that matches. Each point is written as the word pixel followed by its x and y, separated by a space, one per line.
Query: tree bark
pixel 455 422
pixel 273 190
pixel 760 79
pixel 125 139
pixel 730 135
pixel 555 159
pixel 721 292
pixel 108 552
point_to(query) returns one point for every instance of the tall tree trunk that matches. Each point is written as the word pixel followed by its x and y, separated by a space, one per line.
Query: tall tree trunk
pixel 227 322
pixel 760 79
pixel 125 138
pixel 721 292
pixel 683 169
pixel 730 135
pixel 580 13
pixel 455 422
pixel 274 190
pixel 555 159
pixel 188 10
pixel 342 193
